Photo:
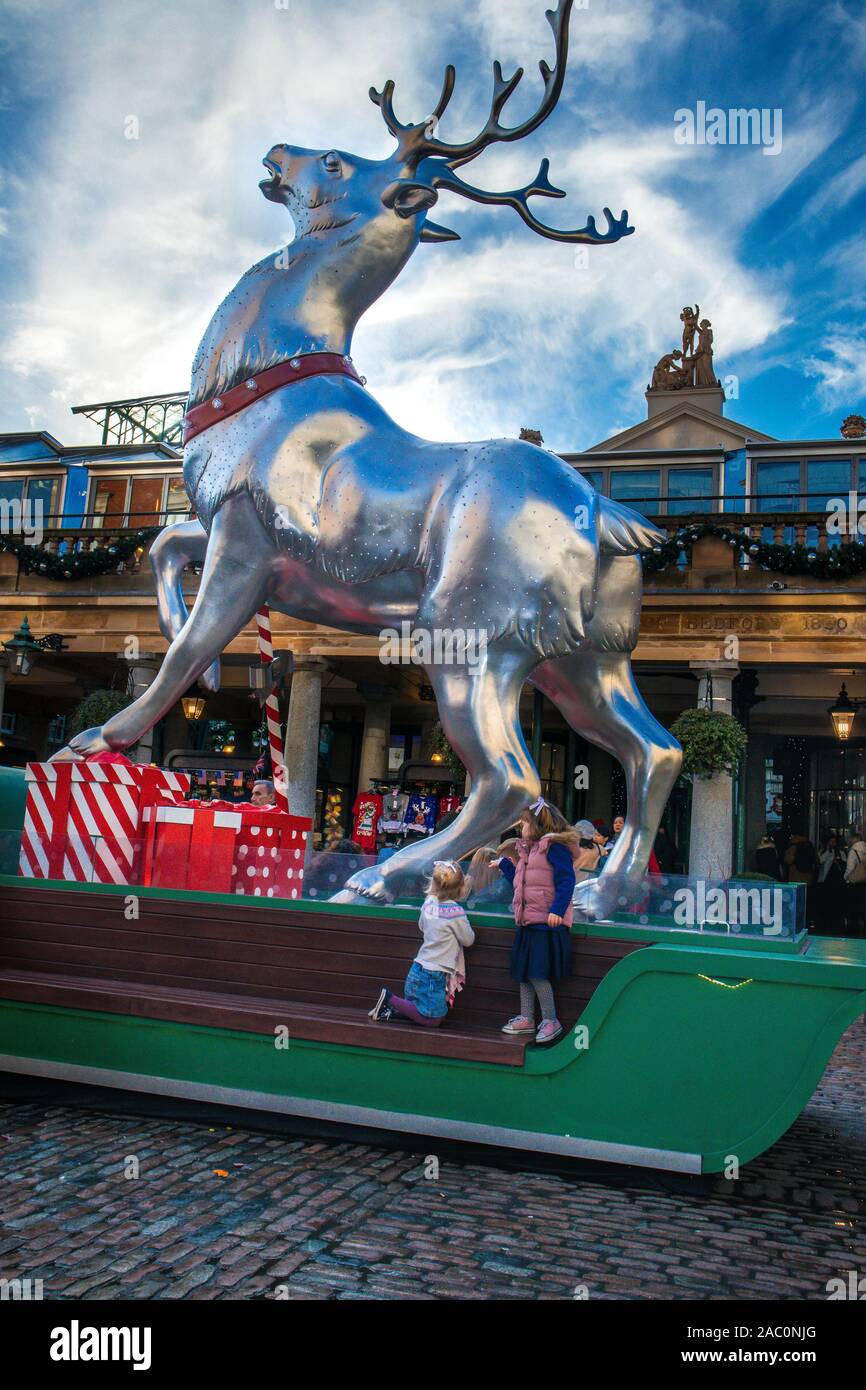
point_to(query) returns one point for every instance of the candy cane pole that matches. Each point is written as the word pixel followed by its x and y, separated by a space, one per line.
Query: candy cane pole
pixel 272 710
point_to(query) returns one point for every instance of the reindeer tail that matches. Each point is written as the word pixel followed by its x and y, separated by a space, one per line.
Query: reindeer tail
pixel 624 532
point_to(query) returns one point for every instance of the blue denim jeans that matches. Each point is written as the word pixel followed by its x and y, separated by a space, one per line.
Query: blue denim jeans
pixel 427 990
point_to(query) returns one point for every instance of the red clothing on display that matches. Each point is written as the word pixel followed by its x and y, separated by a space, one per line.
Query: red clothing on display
pixel 366 814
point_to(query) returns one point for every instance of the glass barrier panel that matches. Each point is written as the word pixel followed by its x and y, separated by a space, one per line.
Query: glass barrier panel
pixel 256 866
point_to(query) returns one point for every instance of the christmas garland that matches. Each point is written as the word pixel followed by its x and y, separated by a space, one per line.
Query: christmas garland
pixel 87 564
pixel 837 562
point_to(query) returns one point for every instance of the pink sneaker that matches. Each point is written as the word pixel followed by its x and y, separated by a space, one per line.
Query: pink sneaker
pixel 549 1029
pixel 520 1024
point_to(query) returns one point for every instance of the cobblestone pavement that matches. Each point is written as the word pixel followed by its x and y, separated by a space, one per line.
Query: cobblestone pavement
pixel 229 1213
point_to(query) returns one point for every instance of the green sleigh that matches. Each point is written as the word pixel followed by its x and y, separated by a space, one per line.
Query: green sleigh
pixel 684 1050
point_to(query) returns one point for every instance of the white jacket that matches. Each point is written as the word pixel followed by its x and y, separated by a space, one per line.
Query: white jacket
pixel 856 856
pixel 446 930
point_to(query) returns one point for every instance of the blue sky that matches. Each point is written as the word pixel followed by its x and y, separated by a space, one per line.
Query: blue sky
pixel 115 252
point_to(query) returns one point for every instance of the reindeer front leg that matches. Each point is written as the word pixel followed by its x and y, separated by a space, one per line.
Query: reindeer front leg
pixel 234 585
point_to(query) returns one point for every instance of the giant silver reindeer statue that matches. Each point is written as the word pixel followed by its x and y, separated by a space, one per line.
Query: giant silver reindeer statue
pixel 311 499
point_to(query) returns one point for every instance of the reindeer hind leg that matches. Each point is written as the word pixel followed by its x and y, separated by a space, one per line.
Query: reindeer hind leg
pixel 177 546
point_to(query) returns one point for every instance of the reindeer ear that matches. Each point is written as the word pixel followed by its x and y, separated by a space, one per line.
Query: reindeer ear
pixel 408 198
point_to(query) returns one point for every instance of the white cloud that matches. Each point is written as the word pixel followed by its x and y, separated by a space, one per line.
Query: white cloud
pixel 129 245
pixel 841 369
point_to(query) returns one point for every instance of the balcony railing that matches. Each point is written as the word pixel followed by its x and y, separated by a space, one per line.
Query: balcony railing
pixel 790 524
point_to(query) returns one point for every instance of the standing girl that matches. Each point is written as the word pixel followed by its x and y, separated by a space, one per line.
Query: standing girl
pixel 438 971
pixel 544 880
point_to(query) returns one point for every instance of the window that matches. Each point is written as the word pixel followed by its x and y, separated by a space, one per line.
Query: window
pixel 595 478
pixel 108 503
pixel 637 487
pixel 778 486
pixel 826 480
pixel 176 500
pixel 688 488
pixel 43 494
pixel 11 489
pixel 8 723
pixel 552 772
pixel 145 502
pixel 57 730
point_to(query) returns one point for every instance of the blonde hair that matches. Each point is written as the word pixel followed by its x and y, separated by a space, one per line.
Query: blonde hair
pixel 446 881
pixel 544 820
pixel 481 872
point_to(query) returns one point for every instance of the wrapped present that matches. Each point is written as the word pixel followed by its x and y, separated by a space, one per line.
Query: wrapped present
pixel 189 846
pixel 270 853
pixel 223 848
pixel 83 821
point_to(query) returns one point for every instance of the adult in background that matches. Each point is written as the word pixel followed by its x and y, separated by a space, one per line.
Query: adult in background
pixel 855 879
pixel 831 893
pixel 801 866
pixel 767 859
pixel 263 794
pixel 666 853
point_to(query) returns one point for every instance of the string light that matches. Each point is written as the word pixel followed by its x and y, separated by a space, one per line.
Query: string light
pixel 722 983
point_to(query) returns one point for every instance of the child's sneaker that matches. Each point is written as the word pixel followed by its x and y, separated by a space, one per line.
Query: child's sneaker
pixel 520 1024
pixel 380 1010
pixel 548 1030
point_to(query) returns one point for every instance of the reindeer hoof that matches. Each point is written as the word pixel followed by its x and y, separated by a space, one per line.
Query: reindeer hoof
pixel 367 885
pixel 596 900
pixel 82 746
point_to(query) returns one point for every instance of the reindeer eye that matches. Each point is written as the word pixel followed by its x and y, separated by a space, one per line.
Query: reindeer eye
pixel 332 162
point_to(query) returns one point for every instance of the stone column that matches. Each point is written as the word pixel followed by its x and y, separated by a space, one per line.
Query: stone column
pixel 302 734
pixel 712 830
pixel 377 735
pixel 144 671
pixel 3 668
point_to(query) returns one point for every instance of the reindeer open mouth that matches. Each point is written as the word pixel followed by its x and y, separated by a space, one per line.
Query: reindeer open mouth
pixel 273 186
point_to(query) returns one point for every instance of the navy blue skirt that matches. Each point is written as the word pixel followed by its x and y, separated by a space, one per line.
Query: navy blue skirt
pixel 541 953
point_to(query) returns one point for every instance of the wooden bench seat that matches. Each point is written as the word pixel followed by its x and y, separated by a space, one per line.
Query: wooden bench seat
pixel 253 967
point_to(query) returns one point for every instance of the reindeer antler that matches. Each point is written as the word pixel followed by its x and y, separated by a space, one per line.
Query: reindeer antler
pixel 418 142
pixel 494 132
pixel 541 187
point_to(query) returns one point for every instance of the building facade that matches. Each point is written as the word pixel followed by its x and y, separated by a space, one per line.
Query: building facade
pixel 757 605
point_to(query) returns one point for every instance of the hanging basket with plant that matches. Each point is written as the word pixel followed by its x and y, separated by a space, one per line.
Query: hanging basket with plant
pixel 713 742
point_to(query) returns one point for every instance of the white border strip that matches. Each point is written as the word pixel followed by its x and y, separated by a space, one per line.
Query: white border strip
pixel 359 1115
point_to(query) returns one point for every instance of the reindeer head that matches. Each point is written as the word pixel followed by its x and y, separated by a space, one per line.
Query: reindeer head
pixel 333 189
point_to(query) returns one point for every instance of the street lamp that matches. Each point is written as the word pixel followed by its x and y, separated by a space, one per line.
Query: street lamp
pixel 193 706
pixel 842 713
pixel 24 648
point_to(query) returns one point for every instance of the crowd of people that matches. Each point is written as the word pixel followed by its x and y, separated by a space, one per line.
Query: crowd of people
pixel 834 874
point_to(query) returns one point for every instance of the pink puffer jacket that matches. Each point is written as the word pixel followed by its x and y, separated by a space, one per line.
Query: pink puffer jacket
pixel 533 881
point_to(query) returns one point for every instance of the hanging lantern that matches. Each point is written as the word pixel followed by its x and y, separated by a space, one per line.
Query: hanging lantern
pixel 842 714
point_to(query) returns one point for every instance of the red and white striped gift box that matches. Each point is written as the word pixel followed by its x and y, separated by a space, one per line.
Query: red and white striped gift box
pixel 83 821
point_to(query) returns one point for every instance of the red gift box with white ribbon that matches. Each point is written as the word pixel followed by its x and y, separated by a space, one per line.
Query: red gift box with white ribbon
pixel 83 822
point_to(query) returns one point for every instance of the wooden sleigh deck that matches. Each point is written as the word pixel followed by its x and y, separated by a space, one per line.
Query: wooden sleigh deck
pixel 252 970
